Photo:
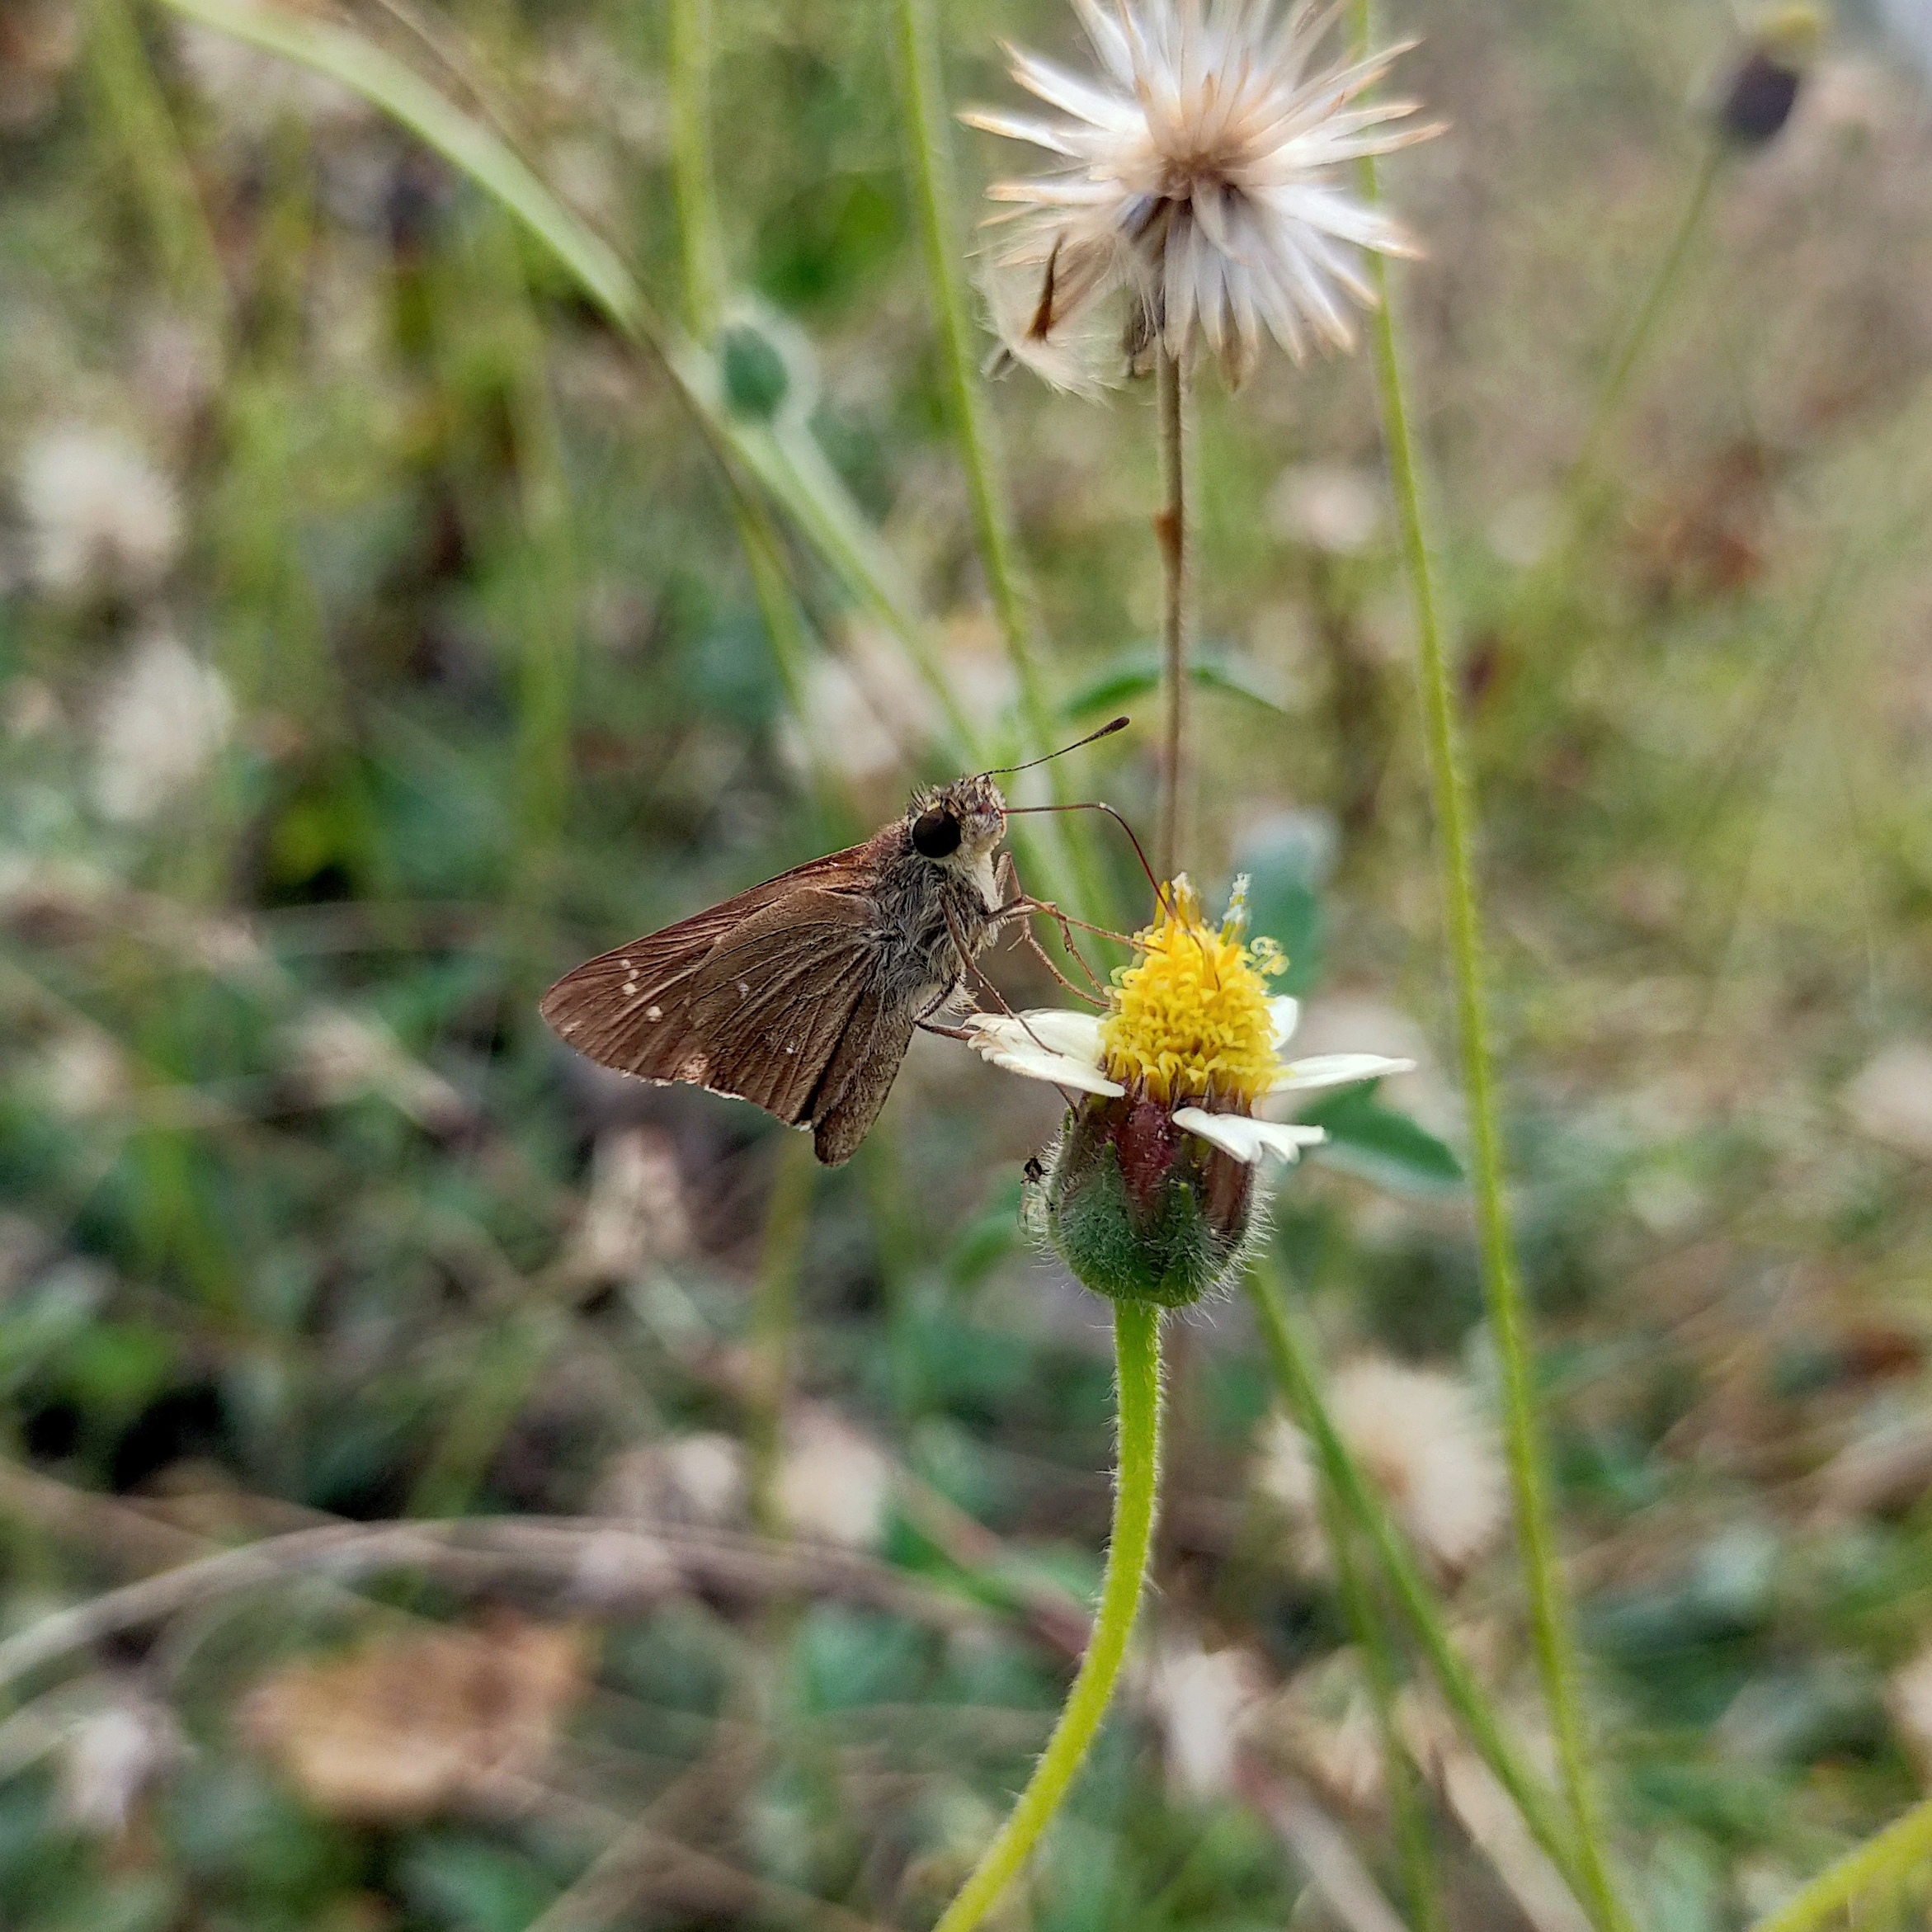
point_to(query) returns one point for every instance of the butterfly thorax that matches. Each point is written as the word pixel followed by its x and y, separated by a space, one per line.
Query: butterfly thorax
pixel 931 905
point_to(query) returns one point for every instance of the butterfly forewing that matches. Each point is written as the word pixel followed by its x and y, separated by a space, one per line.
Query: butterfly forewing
pixel 754 998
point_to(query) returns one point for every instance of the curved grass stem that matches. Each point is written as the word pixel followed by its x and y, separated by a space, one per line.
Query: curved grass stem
pixel 922 107
pixel 1609 396
pixel 1295 1372
pixel 1368 1622
pixel 700 250
pixel 1867 1871
pixel 1136 1342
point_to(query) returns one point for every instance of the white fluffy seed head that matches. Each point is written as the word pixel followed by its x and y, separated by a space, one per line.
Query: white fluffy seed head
pixel 1421 1438
pixel 1195 170
pixel 833 1484
pixel 1202 1700
pixel 109 1759
pixel 98 513
pixel 162 718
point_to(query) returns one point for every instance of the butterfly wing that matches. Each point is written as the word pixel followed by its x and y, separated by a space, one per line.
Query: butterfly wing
pixel 776 997
pixel 860 1073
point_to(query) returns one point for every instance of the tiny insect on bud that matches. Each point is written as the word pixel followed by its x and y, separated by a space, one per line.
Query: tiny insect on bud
pixel 1141 1210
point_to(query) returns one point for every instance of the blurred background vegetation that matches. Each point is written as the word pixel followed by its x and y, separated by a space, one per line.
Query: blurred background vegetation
pixel 377 640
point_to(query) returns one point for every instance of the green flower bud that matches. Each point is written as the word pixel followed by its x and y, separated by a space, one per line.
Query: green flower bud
pixel 757 380
pixel 1140 1209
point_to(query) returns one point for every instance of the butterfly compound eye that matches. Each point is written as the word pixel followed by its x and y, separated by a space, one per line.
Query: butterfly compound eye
pixel 935 834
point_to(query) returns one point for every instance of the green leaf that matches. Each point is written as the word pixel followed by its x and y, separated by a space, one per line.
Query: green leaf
pixel 1381 1145
pixel 117 1367
pixel 1133 672
pixel 469 1886
pixel 987 1240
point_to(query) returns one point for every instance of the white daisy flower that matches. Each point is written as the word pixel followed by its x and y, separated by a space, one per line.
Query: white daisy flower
pixel 1195 172
pixel 1191 1027
pixel 1148 1194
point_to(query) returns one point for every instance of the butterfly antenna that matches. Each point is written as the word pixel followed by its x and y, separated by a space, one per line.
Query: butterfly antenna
pixel 1106 731
pixel 1161 897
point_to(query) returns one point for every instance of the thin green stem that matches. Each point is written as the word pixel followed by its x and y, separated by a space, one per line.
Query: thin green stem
pixel 132 105
pixel 1293 1367
pixel 1136 1343
pixel 1368 1626
pixel 698 245
pixel 701 248
pixel 1177 570
pixel 922 106
pixel 1549 1609
pixel 1656 297
pixel 1881 1862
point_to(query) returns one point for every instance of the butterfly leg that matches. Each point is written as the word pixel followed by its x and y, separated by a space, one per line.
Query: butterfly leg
pixel 924 1021
pixel 1022 908
pixel 970 965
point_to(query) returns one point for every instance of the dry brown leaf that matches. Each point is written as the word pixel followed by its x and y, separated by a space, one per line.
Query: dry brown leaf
pixel 409 1726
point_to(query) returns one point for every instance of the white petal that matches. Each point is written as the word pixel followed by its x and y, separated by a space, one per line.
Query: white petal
pixel 1061 1029
pixel 1043 1029
pixel 1020 127
pixel 1335 1070
pixel 1008 1040
pixel 1285 1012
pixel 1056 1069
pixel 1248 1139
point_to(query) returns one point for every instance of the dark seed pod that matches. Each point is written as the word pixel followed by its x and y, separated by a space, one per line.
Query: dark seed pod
pixel 1763 85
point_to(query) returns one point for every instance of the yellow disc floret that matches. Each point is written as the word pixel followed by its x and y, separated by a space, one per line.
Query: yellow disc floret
pixel 1188 1021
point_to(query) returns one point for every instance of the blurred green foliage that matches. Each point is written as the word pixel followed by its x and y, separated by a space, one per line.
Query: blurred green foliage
pixel 303 1215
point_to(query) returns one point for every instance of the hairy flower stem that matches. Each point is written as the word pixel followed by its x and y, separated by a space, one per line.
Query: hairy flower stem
pixel 1294 1371
pixel 1136 1343
pixel 1864 1875
pixel 1549 1609
pixel 1176 615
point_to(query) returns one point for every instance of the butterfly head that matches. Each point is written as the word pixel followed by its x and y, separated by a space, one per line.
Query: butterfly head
pixel 958 824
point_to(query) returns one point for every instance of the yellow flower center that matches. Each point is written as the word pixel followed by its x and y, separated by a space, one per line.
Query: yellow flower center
pixel 1190 1019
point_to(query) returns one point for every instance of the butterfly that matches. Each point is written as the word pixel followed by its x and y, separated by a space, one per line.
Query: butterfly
pixel 801 995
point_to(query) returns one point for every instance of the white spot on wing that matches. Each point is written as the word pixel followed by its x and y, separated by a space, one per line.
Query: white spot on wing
pixel 653 1012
